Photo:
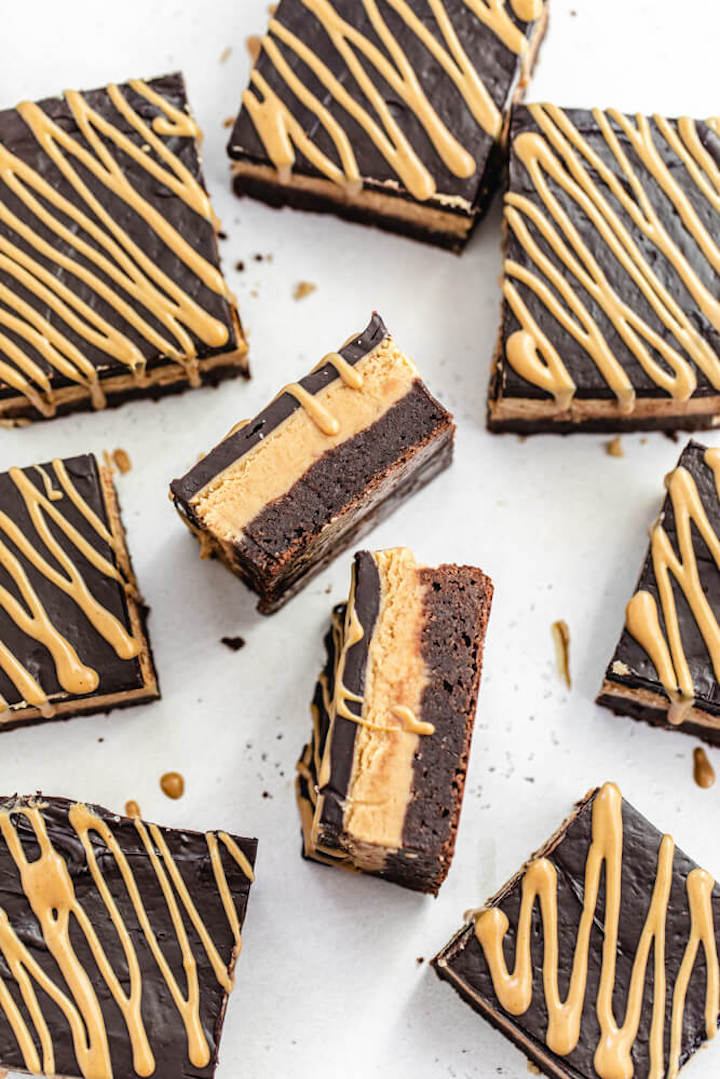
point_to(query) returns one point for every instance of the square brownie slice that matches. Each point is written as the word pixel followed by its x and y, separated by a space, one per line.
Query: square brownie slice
pixel 599 959
pixel 329 457
pixel 72 622
pixel 118 941
pixel 390 114
pixel 380 784
pixel 666 667
pixel 110 281
pixel 610 317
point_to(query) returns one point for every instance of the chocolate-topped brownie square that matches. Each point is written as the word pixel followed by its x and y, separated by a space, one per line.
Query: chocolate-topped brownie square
pixel 390 113
pixel 666 667
pixel 610 317
pixel 329 457
pixel 118 941
pixel 599 959
pixel 110 281
pixel 380 784
pixel 72 622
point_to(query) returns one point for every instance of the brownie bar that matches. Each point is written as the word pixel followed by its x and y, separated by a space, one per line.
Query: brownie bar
pixel 380 784
pixel 283 494
pixel 73 634
pixel 666 667
pixel 389 114
pixel 600 958
pixel 110 282
pixel 118 941
pixel 610 319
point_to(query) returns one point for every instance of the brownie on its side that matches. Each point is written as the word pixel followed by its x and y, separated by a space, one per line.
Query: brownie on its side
pixel 380 784
pixel 600 958
pixel 332 454
pixel 610 318
pixel 72 623
pixel 119 941
pixel 110 282
pixel 391 114
pixel 666 667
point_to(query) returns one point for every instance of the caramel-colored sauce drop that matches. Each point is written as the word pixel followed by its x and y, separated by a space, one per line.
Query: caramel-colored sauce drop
pixel 132 809
pixel 172 784
pixel 703 771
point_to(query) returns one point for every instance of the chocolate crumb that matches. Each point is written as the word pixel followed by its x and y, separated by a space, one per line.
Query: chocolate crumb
pixel 233 643
pixel 303 289
pixel 266 794
pixel 222 235
pixel 420 959
pixel 258 257
pixel 561 636
pixel 614 448
pixel 122 460
pixel 240 265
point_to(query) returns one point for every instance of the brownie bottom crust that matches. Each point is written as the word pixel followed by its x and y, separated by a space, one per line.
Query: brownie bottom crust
pixel 652 708
pixel 164 381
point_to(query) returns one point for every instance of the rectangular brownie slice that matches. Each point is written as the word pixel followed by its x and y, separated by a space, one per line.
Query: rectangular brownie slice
pixel 392 115
pixel 72 622
pixel 599 959
pixel 118 941
pixel 110 281
pixel 610 317
pixel 380 784
pixel 666 667
pixel 331 455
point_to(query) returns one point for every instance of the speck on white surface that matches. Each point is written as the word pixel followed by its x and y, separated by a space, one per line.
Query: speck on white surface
pixel 329 982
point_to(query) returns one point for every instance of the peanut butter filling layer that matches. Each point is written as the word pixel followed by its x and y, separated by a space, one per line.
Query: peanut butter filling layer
pixel 657 701
pixel 527 408
pixel 388 732
pixel 389 205
pixel 230 501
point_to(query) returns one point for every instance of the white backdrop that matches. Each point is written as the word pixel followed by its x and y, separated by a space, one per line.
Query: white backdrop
pixel 329 983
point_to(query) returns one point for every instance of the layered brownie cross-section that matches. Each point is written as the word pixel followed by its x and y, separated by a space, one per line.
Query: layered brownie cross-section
pixel 383 111
pixel 666 667
pixel 118 941
pixel 72 623
pixel 281 495
pixel 380 784
pixel 610 318
pixel 110 281
pixel 599 960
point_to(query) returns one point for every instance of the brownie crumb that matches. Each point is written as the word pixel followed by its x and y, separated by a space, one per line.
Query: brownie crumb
pixel 222 235
pixel 233 643
pixel 303 289
pixel 420 959
pixel 561 636
pixel 266 794
pixel 614 448
pixel 122 460
pixel 240 265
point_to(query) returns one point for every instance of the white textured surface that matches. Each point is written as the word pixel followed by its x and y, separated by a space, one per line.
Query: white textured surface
pixel 329 983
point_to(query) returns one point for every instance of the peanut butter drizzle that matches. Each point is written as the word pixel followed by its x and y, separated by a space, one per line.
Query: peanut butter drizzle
pixel 317 412
pixel 108 247
pixel 281 132
pixel 514 989
pixel 666 649
pixel 48 886
pixel 132 809
pixel 703 771
pixel 30 616
pixel 349 375
pixel 560 153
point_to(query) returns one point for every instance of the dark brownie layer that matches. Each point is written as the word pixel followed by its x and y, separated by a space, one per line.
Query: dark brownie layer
pixel 187 861
pixel 111 274
pixel 464 965
pixel 632 669
pixel 657 296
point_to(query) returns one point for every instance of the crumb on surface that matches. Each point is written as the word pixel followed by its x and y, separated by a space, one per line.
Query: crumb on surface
pixel 240 265
pixel 303 289
pixel 420 959
pixel 614 448
pixel 618 667
pixel 228 121
pixel 121 458
pixel 233 643
pixel 225 54
pixel 561 636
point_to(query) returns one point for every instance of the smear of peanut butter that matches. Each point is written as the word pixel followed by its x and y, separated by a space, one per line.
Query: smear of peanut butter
pixel 561 636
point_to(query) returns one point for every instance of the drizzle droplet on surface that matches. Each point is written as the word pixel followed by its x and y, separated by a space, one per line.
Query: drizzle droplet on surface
pixel 173 785
pixel 703 771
